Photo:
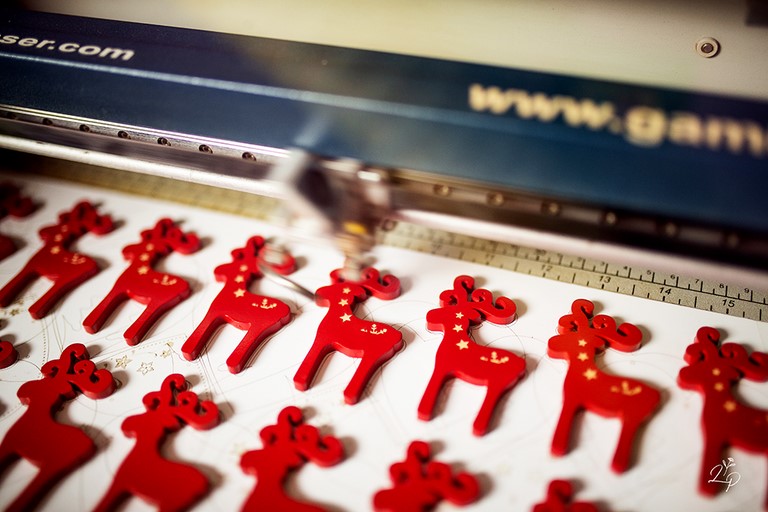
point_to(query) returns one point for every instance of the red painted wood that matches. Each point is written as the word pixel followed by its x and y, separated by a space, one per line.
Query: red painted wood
pixel 288 445
pixel 140 282
pixel 419 484
pixel 580 340
pixel 56 449
pixel 374 343
pixel 259 315
pixel 145 473
pixel 12 203
pixel 714 370
pixel 458 356
pixel 54 261
pixel 560 499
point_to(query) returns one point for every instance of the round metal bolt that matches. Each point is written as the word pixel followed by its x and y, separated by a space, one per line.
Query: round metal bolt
pixel 84 128
pixel 249 156
pixel 163 141
pixel 707 47
pixel 388 225
pixel 552 208
pixel 495 199
pixel 47 122
pixel 122 134
pixel 205 148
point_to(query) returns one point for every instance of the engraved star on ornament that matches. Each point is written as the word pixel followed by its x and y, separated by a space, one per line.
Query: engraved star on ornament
pixel 590 374
pixel 239 292
pixel 463 344
pixel 346 317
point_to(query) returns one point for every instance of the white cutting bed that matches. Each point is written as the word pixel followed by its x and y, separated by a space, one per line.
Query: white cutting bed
pixel 513 459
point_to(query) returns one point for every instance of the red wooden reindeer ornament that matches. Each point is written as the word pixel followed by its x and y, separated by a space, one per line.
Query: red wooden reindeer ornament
pixel 260 316
pixel 580 340
pixel 460 357
pixel 172 486
pixel 158 291
pixel 12 203
pixel 66 269
pixel 340 330
pixel 560 499
pixel 288 445
pixel 54 448
pixel 725 420
pixel 419 484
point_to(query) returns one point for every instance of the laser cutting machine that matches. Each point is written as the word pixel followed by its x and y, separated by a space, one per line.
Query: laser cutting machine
pixel 617 155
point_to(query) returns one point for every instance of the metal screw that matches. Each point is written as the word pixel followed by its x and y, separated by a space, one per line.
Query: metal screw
pixel 249 156
pixel 122 134
pixel 552 208
pixel 205 149
pixel 163 141
pixel 707 47
pixel 495 199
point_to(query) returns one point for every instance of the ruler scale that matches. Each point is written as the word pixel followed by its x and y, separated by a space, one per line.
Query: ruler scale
pixel 628 280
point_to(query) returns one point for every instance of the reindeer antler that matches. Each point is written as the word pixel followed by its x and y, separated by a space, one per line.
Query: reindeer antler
pixel 626 337
pixel 167 233
pixel 460 293
pixel 75 366
pixel 186 406
pixel 754 366
pixel 385 287
pixel 460 489
pixel 84 217
pixel 12 202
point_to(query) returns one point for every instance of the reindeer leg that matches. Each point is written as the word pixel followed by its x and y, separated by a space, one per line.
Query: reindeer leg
pixel 253 338
pixel 365 370
pixel 7 455
pixel 623 454
pixel 59 289
pixel 561 439
pixel 115 495
pixel 308 369
pixel 713 453
pixel 95 320
pixel 428 401
pixel 45 479
pixel 139 328
pixel 195 344
pixel 483 419
pixel 15 286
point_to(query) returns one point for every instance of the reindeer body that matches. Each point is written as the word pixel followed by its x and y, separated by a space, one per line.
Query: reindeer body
pixel 16 205
pixel 56 449
pixel 458 356
pixel 587 387
pixel 340 330
pixel 172 486
pixel 725 421
pixel 288 445
pixel 419 484
pixel 157 290
pixel 54 261
pixel 259 315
